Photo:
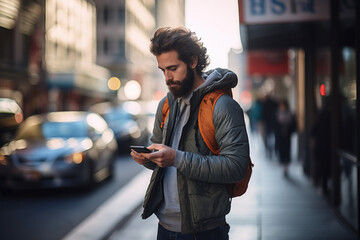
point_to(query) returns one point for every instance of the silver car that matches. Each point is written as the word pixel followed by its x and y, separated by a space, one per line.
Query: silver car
pixel 58 149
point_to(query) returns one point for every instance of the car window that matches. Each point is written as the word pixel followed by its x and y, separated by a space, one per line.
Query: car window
pixel 64 129
pixel 117 115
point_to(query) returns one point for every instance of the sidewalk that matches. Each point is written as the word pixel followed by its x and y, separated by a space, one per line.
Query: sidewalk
pixel 274 208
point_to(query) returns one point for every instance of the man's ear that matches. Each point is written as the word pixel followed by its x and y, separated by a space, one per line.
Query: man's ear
pixel 194 62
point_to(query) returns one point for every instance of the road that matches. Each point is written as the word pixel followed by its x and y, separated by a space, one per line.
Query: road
pixel 51 214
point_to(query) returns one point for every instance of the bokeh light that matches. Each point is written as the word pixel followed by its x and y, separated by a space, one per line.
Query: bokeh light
pixel 114 83
pixel 132 90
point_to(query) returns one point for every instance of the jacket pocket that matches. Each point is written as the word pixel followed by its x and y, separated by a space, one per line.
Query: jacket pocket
pixel 211 201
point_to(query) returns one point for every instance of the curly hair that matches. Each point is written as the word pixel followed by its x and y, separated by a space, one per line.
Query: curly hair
pixel 184 42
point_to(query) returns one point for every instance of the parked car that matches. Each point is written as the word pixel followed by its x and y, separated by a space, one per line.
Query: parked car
pixel 126 128
pixel 58 149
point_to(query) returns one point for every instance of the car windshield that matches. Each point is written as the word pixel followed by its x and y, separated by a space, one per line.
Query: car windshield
pixel 36 130
pixel 117 115
pixel 64 129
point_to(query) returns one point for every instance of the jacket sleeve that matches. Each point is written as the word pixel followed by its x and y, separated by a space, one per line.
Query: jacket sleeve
pixel 230 133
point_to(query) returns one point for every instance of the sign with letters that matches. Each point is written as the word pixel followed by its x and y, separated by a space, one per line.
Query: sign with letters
pixel 281 11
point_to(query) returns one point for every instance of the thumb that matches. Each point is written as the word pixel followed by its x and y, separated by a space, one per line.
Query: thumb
pixel 155 146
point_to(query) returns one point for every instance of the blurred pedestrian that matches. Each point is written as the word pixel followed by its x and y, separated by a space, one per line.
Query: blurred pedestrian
pixel 284 127
pixel 269 121
pixel 188 188
pixel 321 144
pixel 256 117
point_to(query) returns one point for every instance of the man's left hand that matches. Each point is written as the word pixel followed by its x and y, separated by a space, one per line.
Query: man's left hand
pixel 163 157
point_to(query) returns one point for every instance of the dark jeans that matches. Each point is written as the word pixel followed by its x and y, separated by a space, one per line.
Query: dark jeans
pixel 219 233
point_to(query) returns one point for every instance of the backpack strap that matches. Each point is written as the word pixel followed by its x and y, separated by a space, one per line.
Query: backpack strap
pixel 165 112
pixel 205 119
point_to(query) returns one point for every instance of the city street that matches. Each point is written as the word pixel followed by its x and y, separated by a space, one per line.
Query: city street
pixel 81 81
pixel 51 214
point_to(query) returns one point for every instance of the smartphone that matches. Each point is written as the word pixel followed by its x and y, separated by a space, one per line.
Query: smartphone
pixel 141 149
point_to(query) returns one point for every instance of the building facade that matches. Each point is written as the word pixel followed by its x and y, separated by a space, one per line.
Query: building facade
pixel 316 44
pixel 74 79
pixel 123 32
pixel 21 62
pixel 124 29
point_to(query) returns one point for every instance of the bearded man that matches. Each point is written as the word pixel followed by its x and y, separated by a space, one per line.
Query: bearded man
pixel 187 190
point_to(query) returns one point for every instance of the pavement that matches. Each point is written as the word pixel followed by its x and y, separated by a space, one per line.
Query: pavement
pixel 275 207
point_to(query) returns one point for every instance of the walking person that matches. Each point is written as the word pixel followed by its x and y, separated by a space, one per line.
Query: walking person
pixel 285 126
pixel 188 188
pixel 269 121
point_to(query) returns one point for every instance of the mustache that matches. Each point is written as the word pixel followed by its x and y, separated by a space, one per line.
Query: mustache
pixel 171 82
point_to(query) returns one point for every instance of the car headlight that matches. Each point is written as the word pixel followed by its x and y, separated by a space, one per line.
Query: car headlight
pixel 76 158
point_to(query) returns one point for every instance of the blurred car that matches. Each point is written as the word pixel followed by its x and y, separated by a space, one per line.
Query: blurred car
pixel 58 149
pixel 126 129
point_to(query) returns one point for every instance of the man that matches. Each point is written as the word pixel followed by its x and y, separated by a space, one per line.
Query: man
pixel 188 187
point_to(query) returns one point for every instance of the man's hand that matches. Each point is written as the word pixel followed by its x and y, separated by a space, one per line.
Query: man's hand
pixel 164 157
pixel 139 157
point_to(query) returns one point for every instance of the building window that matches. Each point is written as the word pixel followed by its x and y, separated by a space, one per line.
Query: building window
pixel 122 48
pixel 105 46
pixel 121 14
pixel 106 14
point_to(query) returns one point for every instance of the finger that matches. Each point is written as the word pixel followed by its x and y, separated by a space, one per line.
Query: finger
pixel 135 155
pixel 138 157
pixel 160 161
pixel 155 146
pixel 154 156
pixel 133 152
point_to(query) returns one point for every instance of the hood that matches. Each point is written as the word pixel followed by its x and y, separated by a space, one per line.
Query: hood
pixel 46 150
pixel 218 78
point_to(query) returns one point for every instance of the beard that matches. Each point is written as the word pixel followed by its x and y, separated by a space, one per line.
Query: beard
pixel 182 88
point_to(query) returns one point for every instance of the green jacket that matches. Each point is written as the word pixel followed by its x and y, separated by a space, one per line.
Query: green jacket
pixel 202 176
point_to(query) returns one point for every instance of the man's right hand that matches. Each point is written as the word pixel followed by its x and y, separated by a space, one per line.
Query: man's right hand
pixel 139 157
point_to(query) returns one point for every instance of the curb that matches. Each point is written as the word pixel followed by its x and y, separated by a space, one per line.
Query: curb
pixel 111 213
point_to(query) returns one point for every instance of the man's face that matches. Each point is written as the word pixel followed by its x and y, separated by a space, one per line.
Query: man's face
pixel 179 76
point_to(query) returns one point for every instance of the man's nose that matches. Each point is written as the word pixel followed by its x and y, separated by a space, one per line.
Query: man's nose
pixel 168 75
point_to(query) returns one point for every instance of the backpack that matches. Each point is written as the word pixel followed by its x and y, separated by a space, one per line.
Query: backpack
pixel 207 131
